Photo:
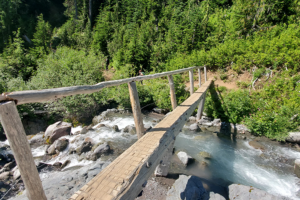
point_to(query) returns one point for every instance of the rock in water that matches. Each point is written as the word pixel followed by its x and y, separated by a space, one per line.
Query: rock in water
pixel 187 188
pixel 293 137
pixel 101 149
pixel 4 176
pixel 116 128
pixel 57 130
pixel 130 129
pixel 242 192
pixel 194 127
pixel 85 147
pixel 84 130
pixel 297 167
pixel 256 145
pixel 205 154
pixel 185 158
pixel 58 145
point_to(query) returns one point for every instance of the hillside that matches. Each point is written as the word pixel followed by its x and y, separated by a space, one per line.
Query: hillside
pixel 65 43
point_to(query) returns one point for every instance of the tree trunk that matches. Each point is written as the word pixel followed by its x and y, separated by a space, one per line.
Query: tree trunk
pixel 90 11
pixel 76 10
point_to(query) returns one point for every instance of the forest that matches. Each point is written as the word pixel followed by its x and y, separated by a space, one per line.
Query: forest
pixel 52 43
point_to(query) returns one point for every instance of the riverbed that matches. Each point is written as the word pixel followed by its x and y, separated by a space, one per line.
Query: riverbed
pixel 232 160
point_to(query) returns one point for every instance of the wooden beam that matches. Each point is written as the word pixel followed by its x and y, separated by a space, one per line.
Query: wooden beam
pixel 172 92
pixel 124 177
pixel 136 109
pixel 191 82
pixel 201 108
pixel 199 77
pixel 205 74
pixel 16 136
pixel 33 96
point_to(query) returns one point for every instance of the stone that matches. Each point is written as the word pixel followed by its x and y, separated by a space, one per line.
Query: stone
pixel 38 139
pixel 297 168
pixel 85 147
pixel 130 129
pixel 57 130
pixel 17 174
pixel 215 196
pixel 185 158
pixel 51 150
pixel 100 125
pixel 4 176
pixel 293 137
pixel 216 122
pixel 192 119
pixel 57 164
pixel 187 188
pixel 65 164
pixel 194 127
pixel 90 127
pixel 84 130
pixel 116 128
pixel 256 145
pixel 242 192
pixel 205 154
pixel 61 144
pixel 101 149
pixel 9 166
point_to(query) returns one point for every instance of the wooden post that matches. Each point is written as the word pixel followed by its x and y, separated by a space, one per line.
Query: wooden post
pixel 163 168
pixel 136 109
pixel 191 82
pixel 201 107
pixel 16 136
pixel 205 74
pixel 199 75
pixel 172 92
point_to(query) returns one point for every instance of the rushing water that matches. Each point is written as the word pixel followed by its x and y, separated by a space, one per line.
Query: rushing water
pixel 231 162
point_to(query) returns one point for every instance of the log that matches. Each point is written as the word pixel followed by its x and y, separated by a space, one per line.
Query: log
pixel 16 136
pixel 201 107
pixel 136 109
pixel 172 92
pixel 199 77
pixel 191 82
pixel 205 74
pixel 124 177
pixel 34 96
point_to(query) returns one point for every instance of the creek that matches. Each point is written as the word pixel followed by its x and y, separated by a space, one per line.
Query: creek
pixel 232 161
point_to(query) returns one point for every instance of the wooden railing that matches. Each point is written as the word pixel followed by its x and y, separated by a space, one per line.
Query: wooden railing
pixel 16 136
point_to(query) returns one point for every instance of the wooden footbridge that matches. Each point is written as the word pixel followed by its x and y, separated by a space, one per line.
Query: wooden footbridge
pixel 124 177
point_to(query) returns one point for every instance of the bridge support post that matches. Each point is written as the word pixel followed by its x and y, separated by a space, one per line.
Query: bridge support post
pixel 191 82
pixel 163 168
pixel 199 77
pixel 201 107
pixel 172 92
pixel 205 74
pixel 16 136
pixel 136 109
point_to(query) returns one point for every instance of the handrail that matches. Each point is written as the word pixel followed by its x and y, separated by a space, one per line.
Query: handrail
pixel 33 96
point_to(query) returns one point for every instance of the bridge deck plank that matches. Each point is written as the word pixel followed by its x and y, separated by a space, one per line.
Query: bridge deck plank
pixel 123 178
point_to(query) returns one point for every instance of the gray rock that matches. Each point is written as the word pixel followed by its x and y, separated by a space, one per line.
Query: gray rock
pixel 58 145
pixel 57 130
pixel 194 127
pixel 215 196
pixel 293 137
pixel 185 158
pixel 101 149
pixel 100 125
pixel 85 147
pixel 297 168
pixel 216 122
pixel 38 139
pixel 4 176
pixel 205 154
pixel 242 192
pixel 130 129
pixel 65 164
pixel 187 188
pixel 192 119
pixel 84 130
pixel 116 128
pixel 8 166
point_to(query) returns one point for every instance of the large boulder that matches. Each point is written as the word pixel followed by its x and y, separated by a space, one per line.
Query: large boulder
pixel 185 158
pixel 57 130
pixel 187 188
pixel 293 137
pixel 297 168
pixel 242 192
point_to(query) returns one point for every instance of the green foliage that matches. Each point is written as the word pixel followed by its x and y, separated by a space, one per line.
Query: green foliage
pixel 223 76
